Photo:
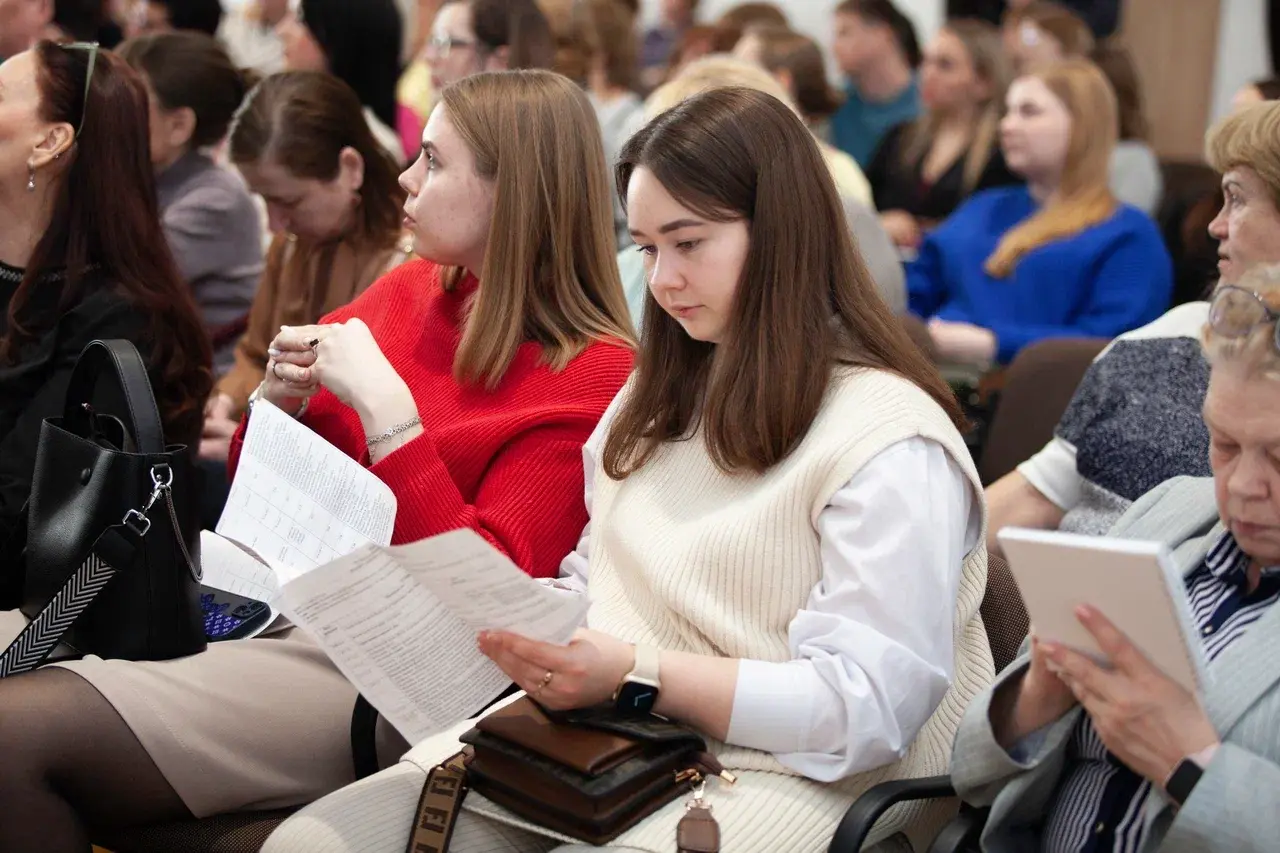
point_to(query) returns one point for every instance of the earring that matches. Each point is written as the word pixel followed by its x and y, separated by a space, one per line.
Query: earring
pixel 31 179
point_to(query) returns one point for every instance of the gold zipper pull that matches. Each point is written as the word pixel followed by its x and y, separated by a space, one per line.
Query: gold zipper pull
pixel 713 767
pixel 692 776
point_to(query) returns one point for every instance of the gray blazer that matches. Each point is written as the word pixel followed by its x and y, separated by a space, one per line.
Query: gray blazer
pixel 215 234
pixel 1236 805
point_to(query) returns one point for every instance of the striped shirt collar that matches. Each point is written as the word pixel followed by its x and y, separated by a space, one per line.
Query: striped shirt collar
pixel 1227 562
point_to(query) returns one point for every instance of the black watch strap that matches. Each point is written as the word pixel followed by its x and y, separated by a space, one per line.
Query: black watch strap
pixel 1183 781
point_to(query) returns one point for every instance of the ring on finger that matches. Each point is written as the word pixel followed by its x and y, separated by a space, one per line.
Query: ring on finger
pixel 546 679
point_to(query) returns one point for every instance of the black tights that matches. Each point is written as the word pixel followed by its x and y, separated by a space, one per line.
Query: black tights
pixel 69 765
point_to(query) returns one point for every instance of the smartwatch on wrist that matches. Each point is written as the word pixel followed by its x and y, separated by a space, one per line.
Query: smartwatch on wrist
pixel 638 691
pixel 1182 781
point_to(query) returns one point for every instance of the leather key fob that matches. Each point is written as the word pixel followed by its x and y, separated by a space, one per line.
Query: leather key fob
pixel 698 831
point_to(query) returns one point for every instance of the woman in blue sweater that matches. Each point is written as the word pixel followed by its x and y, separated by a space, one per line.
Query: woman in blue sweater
pixel 1059 257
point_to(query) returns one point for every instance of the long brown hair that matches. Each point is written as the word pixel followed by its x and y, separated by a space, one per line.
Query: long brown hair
pixel 105 230
pixel 981 41
pixel 1116 62
pixel 576 39
pixel 301 120
pixel 1084 194
pixel 782 49
pixel 517 25
pixel 615 25
pixel 550 270
pixel 805 304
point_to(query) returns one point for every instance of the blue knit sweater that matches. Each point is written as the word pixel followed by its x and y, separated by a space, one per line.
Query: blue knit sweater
pixel 1105 280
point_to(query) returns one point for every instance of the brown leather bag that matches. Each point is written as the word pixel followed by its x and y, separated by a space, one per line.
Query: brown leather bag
pixel 589 774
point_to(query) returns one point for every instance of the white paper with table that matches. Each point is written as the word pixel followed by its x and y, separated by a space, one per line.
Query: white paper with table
pixel 307 528
pixel 297 502
pixel 401 624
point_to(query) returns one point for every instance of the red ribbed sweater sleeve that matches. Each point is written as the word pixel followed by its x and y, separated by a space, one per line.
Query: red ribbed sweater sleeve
pixel 506 462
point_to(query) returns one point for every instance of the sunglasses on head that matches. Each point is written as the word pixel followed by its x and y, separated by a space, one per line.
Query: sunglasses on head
pixel 92 48
pixel 1235 312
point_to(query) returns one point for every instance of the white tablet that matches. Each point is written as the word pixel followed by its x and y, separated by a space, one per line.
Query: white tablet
pixel 1134 584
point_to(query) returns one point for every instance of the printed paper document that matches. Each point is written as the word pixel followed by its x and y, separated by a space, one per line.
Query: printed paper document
pixel 307 530
pixel 297 502
pixel 401 624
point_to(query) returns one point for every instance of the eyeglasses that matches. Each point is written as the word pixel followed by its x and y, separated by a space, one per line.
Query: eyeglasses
pixel 441 45
pixel 92 47
pixel 1235 312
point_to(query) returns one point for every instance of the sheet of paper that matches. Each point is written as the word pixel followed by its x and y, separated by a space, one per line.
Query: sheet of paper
pixel 401 624
pixel 230 567
pixel 414 661
pixel 227 566
pixel 298 501
pixel 487 591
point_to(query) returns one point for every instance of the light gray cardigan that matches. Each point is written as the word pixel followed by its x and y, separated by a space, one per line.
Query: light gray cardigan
pixel 1236 805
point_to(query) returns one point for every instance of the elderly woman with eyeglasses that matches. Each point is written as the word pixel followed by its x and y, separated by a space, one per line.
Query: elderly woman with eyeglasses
pixel 1072 755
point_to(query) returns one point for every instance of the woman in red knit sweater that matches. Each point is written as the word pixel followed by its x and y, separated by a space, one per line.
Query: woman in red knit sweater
pixel 488 366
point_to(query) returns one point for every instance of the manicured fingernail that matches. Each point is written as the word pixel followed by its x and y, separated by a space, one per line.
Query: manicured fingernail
pixel 1084 611
pixel 273 352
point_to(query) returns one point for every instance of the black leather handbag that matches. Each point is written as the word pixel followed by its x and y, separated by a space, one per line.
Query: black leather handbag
pixel 112 526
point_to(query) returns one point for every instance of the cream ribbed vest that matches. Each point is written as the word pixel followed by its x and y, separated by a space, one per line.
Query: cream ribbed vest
pixel 686 557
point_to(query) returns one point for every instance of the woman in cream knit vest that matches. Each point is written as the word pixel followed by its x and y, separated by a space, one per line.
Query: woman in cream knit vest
pixel 786 529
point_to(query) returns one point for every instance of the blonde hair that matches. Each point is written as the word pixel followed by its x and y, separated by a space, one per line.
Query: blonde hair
pixel 783 49
pixel 1248 137
pixel 718 71
pixel 550 272
pixel 1084 196
pixel 982 42
pixel 1255 353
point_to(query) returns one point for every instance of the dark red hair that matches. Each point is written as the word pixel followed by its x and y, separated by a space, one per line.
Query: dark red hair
pixel 106 232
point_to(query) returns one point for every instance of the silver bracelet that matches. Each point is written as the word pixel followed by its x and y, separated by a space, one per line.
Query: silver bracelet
pixel 393 432
pixel 257 395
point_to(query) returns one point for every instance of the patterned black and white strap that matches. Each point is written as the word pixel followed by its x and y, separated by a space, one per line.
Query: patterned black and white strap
pixel 38 640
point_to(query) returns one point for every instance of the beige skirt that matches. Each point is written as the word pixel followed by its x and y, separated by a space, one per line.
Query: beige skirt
pixel 248 724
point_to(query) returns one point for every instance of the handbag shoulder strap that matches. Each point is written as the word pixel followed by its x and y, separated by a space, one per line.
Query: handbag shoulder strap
pixel 119 362
pixel 115 550
pixel 438 807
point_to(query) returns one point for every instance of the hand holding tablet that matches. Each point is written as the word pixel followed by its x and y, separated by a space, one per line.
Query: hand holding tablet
pixel 1133 584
